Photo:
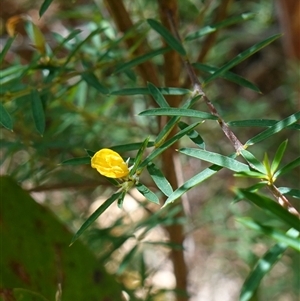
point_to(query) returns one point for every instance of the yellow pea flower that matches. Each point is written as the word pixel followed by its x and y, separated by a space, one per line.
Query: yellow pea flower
pixel 109 164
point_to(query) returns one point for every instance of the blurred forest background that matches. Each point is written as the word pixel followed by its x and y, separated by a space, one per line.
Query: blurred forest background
pixel 71 60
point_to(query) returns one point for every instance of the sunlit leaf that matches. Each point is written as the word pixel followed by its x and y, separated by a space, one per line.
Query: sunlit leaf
pixel 147 193
pixel 168 37
pixel 139 156
pixel 278 156
pixel 178 112
pixel 295 193
pixel 277 127
pixel 290 166
pixel 159 179
pixel 259 123
pixel 216 159
pixel 253 162
pixel 193 135
pixel 145 91
pixel 241 57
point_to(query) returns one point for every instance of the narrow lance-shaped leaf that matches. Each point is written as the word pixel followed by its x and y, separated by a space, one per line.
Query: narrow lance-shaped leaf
pixel 38 112
pixel 212 28
pixel 193 135
pixel 263 267
pixel 95 215
pixel 44 7
pixel 126 260
pixel 228 76
pixel 147 193
pixel 92 80
pixel 158 96
pixel 167 144
pixel 215 158
pixel 5 118
pixel 145 91
pixel 278 156
pixel 259 123
pixel 287 167
pixel 273 207
pixel 159 179
pixel 272 232
pixel 277 127
pixel 139 156
pixel 253 162
pixel 295 193
pixel 6 47
pixel 77 161
pixel 169 38
pixel 241 57
pixel 178 112
pixel 141 59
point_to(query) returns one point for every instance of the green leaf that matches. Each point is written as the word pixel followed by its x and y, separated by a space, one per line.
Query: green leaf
pixel 178 112
pixel 145 91
pixel 77 161
pixel 95 215
pixel 295 193
pixel 5 118
pixel 159 179
pixel 130 146
pixel 126 260
pixel 168 37
pixel 278 156
pixel 147 193
pixel 167 144
pixel 192 182
pixel 158 96
pixel 287 167
pixel 139 156
pixel 6 47
pixel 277 127
pixel 273 207
pixel 141 59
pixel 263 267
pixel 229 76
pixel 44 7
pixel 216 159
pixel 92 80
pixel 259 123
pixel 38 112
pixel 212 28
pixel 241 57
pixel 276 234
pixel 253 162
pixel 193 135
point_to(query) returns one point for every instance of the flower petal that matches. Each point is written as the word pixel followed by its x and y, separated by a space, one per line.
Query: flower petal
pixel 110 164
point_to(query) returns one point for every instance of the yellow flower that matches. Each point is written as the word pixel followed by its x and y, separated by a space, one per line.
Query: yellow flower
pixel 109 164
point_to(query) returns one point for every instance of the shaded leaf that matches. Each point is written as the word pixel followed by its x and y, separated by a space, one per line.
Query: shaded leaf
pixel 95 215
pixel 287 167
pixel 263 267
pixel 193 135
pixel 295 193
pixel 44 7
pixel 5 118
pixel 241 57
pixel 77 161
pixel 259 123
pixel 38 112
pixel 6 47
pixel 139 156
pixel 269 205
pixel 141 59
pixel 92 80
pixel 145 91
pixel 158 96
pixel 168 37
pixel 253 162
